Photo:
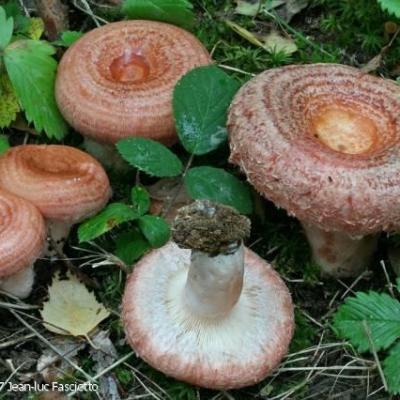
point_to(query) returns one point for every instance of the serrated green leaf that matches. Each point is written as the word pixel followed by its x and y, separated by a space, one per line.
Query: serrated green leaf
pixel 9 106
pixel 200 102
pixel 155 229
pixel 178 12
pixel 114 214
pixel 369 314
pixel 6 29
pixel 32 72
pixel 391 366
pixel 4 145
pixel 140 199
pixel 208 183
pixel 130 246
pixel 68 38
pixel 150 157
pixel 391 6
pixel 13 9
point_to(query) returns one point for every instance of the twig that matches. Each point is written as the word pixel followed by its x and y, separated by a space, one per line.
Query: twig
pixel 18 340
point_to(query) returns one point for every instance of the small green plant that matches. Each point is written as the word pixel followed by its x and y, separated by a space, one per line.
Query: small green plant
pixel 27 74
pixel 371 322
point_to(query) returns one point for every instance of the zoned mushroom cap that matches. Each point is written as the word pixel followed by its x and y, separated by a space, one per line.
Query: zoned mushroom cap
pixel 65 183
pixel 117 80
pixel 22 234
pixel 323 142
pixel 237 351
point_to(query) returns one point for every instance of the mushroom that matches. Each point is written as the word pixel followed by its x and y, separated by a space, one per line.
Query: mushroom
pixel 64 183
pixel 167 196
pixel 205 309
pixel 322 141
pixel 22 240
pixel 117 81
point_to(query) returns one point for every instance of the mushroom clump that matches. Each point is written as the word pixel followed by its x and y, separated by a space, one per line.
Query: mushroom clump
pixel 117 80
pixel 205 309
pixel 22 240
pixel 322 141
pixel 64 183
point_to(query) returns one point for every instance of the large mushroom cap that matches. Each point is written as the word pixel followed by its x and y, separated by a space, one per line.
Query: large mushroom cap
pixel 22 234
pixel 117 80
pixel 323 142
pixel 237 351
pixel 65 183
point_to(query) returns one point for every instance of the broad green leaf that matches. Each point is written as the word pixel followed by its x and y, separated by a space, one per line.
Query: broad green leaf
pixel 391 366
pixel 208 183
pixel 150 157
pixel 140 199
pixel 13 9
pixel 68 38
pixel 130 246
pixel 391 6
pixel 155 230
pixel 178 12
pixel 201 100
pixel 113 215
pixel 369 316
pixel 71 309
pixel 9 106
pixel 4 145
pixel 6 29
pixel 32 72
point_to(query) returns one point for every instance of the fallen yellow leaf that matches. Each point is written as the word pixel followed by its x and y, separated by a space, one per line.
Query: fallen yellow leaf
pixel 71 308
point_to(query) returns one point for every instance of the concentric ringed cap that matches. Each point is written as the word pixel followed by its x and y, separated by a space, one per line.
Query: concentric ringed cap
pixel 323 142
pixel 65 183
pixel 237 351
pixel 22 234
pixel 117 80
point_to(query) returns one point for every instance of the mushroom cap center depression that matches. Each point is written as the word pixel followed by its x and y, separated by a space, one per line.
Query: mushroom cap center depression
pixel 130 67
pixel 344 130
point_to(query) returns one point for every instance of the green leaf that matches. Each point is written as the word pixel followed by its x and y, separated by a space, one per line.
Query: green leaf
pixel 178 12
pixel 130 246
pixel 200 102
pixel 155 230
pixel 369 316
pixel 113 215
pixel 32 72
pixel 13 9
pixel 9 106
pixel 391 6
pixel 150 157
pixel 6 29
pixel 391 370
pixel 218 185
pixel 68 38
pixel 4 145
pixel 140 199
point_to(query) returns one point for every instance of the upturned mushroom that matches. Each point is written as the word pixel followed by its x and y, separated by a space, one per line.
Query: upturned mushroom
pixel 322 141
pixel 117 81
pixel 22 240
pixel 205 309
pixel 64 183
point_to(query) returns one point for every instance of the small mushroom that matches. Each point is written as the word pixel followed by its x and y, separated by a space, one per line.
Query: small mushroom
pixel 22 240
pixel 117 81
pixel 205 309
pixel 64 183
pixel 322 141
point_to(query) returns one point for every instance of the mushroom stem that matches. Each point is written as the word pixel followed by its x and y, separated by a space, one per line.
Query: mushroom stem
pixel 214 283
pixel 19 284
pixel 339 254
pixel 105 153
pixel 58 232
